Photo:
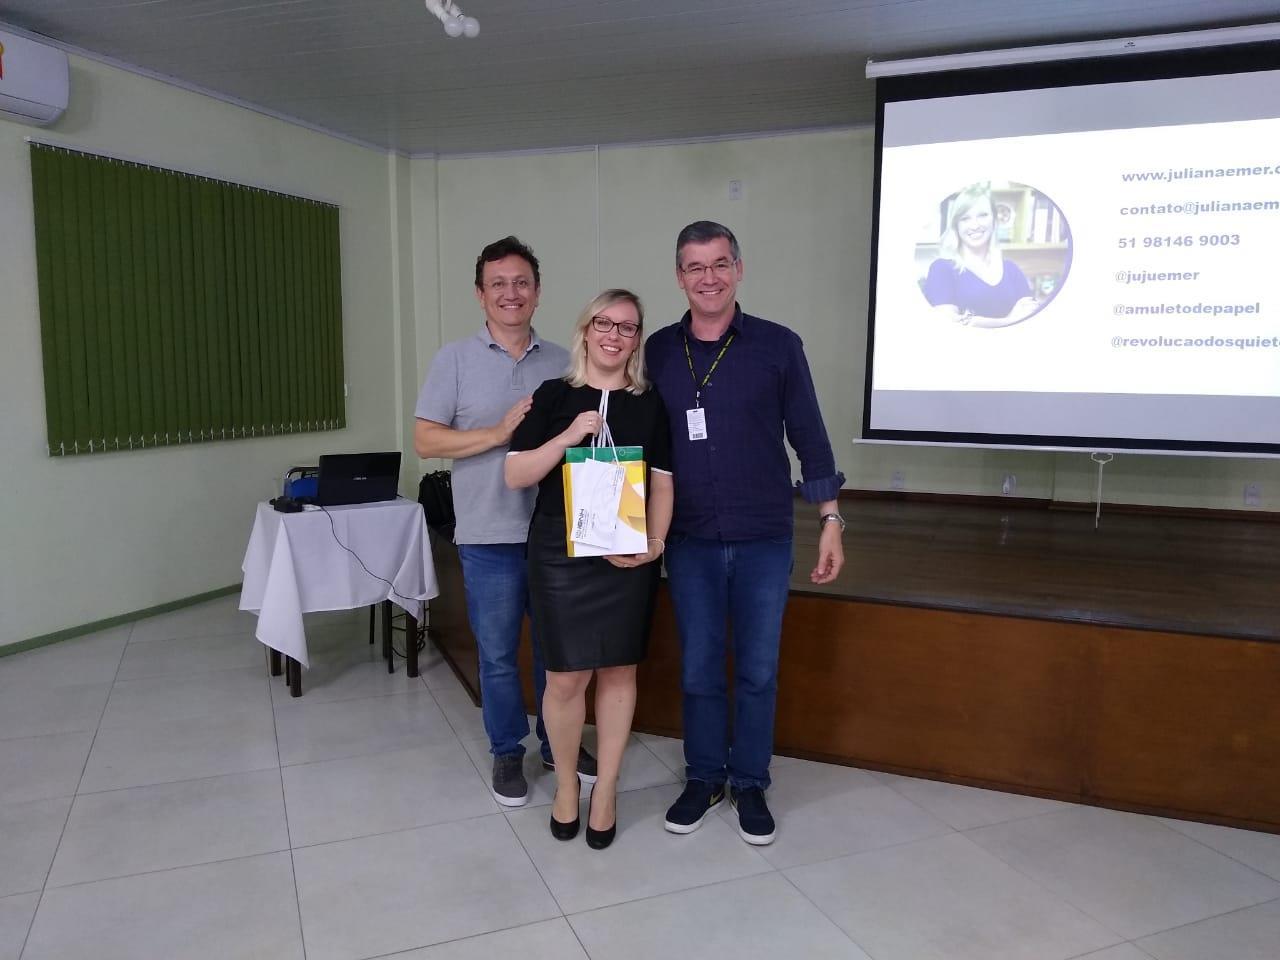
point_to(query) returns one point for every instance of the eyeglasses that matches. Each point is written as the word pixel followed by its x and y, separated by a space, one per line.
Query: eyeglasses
pixel 720 268
pixel 520 285
pixel 625 328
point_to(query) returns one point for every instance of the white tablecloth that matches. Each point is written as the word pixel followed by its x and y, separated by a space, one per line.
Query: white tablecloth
pixel 295 565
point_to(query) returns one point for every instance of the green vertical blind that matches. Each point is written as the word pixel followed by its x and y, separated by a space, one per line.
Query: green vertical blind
pixel 178 309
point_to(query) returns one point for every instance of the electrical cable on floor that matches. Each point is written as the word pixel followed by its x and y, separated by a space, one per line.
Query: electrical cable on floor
pixel 422 639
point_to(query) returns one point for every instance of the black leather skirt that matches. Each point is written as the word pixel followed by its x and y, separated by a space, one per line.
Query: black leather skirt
pixel 587 613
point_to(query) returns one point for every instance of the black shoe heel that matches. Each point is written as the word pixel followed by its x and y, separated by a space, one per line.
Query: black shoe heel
pixel 567 831
pixel 599 839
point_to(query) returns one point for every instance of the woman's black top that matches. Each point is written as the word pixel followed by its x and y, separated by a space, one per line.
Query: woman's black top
pixel 633 420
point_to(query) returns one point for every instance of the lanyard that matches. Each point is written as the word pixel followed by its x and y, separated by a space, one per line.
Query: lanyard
pixel 698 387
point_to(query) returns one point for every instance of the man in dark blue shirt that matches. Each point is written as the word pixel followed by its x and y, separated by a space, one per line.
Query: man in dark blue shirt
pixel 735 386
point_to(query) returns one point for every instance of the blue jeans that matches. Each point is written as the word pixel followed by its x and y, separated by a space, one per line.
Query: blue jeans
pixel 744 583
pixel 497 588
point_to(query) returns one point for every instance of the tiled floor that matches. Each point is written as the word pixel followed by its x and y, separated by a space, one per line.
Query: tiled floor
pixel 161 797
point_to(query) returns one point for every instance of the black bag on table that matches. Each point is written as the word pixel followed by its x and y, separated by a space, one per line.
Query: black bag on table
pixel 435 493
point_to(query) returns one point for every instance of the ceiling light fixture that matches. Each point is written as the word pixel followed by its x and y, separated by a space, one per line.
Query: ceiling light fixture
pixel 456 24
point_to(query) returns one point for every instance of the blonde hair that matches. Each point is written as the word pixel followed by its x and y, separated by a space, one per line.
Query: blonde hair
pixel 949 245
pixel 576 376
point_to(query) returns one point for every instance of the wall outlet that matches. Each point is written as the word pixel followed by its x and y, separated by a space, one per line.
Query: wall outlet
pixel 898 481
pixel 1253 494
pixel 735 189
pixel 1009 484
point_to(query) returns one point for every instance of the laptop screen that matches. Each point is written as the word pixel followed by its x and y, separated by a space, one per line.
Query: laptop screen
pixel 357 478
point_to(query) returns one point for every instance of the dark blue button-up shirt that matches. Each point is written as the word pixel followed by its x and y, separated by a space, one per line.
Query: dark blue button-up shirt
pixel 736 484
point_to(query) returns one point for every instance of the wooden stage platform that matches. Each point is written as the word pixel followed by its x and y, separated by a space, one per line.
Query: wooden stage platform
pixel 1015 647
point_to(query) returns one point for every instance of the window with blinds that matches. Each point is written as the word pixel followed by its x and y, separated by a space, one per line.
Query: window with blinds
pixel 179 309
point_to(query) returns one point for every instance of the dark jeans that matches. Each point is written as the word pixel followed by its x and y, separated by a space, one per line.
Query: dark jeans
pixel 497 588
pixel 744 583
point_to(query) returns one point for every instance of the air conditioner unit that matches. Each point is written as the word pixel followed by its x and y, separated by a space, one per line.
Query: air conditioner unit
pixel 35 80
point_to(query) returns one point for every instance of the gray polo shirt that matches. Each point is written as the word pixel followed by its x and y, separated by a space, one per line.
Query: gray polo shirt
pixel 472 383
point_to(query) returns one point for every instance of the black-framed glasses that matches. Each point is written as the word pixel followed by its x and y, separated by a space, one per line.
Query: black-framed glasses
pixel 625 328
pixel 721 268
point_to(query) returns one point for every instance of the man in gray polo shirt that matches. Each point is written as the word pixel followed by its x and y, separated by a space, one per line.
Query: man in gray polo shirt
pixel 476 393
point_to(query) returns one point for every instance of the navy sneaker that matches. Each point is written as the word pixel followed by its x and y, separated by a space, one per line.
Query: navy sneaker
pixel 688 812
pixel 755 822
pixel 586 765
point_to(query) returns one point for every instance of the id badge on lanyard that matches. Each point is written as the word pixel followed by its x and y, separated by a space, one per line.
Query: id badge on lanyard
pixel 697 417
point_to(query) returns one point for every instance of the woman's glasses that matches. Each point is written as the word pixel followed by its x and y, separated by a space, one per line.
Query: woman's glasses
pixel 625 328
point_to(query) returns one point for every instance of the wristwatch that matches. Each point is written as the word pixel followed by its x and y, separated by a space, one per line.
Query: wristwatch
pixel 822 521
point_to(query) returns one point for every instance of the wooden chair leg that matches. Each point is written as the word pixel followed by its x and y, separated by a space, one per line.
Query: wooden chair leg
pixel 411 644
pixel 293 670
pixel 386 636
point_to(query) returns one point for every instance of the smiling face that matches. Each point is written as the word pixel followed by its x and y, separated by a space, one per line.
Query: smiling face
pixel 709 276
pixel 974 226
pixel 608 352
pixel 508 293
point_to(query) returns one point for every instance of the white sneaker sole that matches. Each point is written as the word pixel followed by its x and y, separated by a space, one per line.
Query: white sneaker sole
pixel 686 828
pixel 510 801
pixel 755 839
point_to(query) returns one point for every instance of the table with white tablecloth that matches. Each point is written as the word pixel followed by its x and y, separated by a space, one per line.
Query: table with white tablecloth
pixel 335 558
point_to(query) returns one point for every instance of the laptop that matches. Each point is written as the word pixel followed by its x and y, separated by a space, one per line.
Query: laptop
pixel 357 478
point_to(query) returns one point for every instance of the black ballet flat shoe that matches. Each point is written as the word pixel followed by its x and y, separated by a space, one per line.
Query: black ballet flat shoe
pixel 599 839
pixel 567 831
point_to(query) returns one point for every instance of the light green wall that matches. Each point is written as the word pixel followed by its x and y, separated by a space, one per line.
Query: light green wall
pixel 1209 482
pixel 426 295
pixel 86 538
pixel 546 200
pixel 804 221
pixel 404 355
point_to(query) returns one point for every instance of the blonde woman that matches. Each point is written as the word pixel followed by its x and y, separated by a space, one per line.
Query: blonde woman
pixel 591 614
pixel 971 282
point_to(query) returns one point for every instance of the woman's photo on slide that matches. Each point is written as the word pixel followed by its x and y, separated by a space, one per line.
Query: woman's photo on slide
pixel 993 254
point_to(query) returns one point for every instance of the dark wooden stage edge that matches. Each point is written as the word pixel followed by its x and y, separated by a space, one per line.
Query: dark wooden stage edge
pixel 1016 648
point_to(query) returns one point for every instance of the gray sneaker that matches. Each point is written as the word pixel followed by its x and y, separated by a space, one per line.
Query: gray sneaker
pixel 586 765
pixel 509 785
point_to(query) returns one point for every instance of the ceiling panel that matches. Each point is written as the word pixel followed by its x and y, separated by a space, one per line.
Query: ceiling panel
pixel 557 73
